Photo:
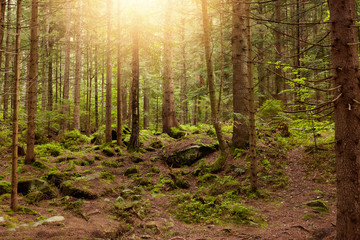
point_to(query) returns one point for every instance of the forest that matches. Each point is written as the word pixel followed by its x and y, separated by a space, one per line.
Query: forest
pixel 179 120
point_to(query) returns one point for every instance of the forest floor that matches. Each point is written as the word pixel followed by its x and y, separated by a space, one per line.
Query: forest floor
pixel 138 196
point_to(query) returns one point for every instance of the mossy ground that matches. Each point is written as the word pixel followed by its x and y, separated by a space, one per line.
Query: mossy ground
pixel 140 194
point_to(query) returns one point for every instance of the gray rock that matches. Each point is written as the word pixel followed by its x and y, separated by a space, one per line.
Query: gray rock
pixel 189 156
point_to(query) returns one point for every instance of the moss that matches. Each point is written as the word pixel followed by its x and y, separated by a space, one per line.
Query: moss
pixel 155 169
pixel 131 171
pixel 72 139
pixel 207 178
pixel 39 165
pixel 318 205
pixel 53 149
pixel 108 152
pixel 27 211
pixel 154 159
pixel 107 175
pixel 308 216
pixel 220 162
pixel 111 164
pixel 5 187
pixel 177 133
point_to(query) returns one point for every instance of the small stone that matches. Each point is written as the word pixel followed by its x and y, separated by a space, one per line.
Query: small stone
pixel 146 237
pixel 55 219
pixel 2 219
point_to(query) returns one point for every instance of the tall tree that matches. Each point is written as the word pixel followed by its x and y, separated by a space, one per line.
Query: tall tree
pixel 212 90
pixel 108 74
pixel 183 84
pixel 7 61
pixel 14 179
pixel 78 56
pixel 345 65
pixel 168 112
pixel 32 82
pixel 240 74
pixel 66 91
pixel 119 83
pixel 135 128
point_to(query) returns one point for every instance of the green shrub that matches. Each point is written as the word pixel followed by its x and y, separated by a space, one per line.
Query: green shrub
pixel 72 139
pixel 53 149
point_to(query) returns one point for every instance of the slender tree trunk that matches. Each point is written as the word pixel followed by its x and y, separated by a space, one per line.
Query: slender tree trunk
pixel 32 79
pixel 278 52
pixel 261 67
pixel 43 82
pixel 218 165
pixel 66 91
pixel 119 83
pixel 146 107
pixel 168 115
pixel 7 62
pixel 183 84
pixel 240 75
pixel 96 89
pixel 135 128
pixel 14 179
pixel 108 75
pixel 2 29
pixel 102 89
pixel 76 117
pixel 222 55
pixel 252 111
pixel 345 65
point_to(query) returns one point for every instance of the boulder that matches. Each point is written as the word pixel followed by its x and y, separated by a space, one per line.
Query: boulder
pixel 28 185
pixel 70 188
pixel 189 156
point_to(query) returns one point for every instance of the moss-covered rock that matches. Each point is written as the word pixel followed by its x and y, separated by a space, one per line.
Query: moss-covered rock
pixel 26 210
pixel 45 193
pixel 108 152
pixel 188 156
pixel 76 189
pixel 5 187
pixel 56 178
pixel 176 133
pixel 131 171
pixel 318 205
pixel 156 143
pixel 39 165
pixel 26 186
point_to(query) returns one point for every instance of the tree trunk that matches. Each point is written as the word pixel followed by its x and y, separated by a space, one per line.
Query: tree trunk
pixel 146 107
pixel 108 137
pixel 76 117
pixel 14 179
pixel 7 62
pixel 168 115
pixel 218 165
pixel 66 91
pixel 252 112
pixel 119 83
pixel 183 83
pixel 279 82
pixel 134 138
pixel 32 80
pixel 240 75
pixel 345 65
pixel 96 89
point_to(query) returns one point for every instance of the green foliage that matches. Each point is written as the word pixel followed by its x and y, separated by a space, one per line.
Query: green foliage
pixel 72 139
pixel 53 149
pixel 5 187
pixel 105 174
pixel 271 112
pixel 211 209
pixel 27 211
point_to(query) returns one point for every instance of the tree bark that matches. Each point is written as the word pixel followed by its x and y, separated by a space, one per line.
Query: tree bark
pixel 146 107
pixel 108 137
pixel 240 75
pixel 78 56
pixel 96 89
pixel 66 91
pixel 7 62
pixel 219 163
pixel 345 65
pixel 135 128
pixel 183 84
pixel 119 83
pixel 32 80
pixel 168 111
pixel 14 179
